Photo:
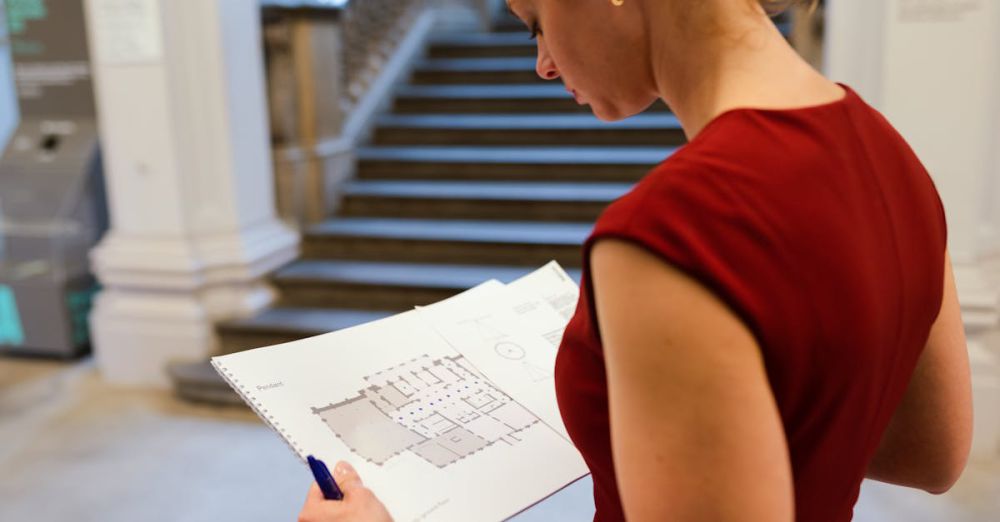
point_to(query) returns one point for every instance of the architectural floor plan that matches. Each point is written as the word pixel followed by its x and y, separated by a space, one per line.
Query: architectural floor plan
pixel 440 409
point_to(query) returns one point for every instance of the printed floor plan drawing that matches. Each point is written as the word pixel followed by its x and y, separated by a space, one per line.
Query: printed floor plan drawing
pixel 442 410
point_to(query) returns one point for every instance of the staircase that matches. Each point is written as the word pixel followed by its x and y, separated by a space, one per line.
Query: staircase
pixel 480 171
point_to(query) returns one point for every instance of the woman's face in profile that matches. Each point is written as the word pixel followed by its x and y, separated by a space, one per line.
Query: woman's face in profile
pixel 597 48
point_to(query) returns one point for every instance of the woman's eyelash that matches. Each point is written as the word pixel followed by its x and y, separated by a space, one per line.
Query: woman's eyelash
pixel 535 30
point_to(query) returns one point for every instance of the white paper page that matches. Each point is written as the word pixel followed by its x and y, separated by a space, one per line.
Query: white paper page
pixel 554 285
pixel 428 434
pixel 509 336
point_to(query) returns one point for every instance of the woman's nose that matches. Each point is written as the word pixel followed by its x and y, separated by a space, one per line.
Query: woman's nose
pixel 545 67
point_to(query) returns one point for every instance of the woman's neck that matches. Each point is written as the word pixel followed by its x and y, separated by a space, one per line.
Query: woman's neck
pixel 740 60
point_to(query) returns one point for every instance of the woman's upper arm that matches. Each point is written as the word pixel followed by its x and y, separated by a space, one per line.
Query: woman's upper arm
pixel 927 442
pixel 696 434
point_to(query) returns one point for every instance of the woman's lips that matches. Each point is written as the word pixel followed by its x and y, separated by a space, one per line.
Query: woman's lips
pixel 575 96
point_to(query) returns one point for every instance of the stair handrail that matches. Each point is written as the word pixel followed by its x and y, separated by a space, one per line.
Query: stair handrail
pixel 324 56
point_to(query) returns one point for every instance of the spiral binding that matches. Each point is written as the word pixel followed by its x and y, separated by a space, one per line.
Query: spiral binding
pixel 257 408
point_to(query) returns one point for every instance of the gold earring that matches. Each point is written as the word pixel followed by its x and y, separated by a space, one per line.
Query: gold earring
pixel 617 3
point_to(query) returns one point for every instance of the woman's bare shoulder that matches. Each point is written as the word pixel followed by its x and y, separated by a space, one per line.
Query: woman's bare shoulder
pixel 692 414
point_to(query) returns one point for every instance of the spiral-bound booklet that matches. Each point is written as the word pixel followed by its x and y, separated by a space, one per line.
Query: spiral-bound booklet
pixel 447 412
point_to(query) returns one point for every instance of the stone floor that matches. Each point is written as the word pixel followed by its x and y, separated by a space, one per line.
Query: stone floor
pixel 74 448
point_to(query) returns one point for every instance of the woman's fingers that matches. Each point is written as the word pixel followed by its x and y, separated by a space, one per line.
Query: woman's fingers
pixel 315 494
pixel 318 509
pixel 359 504
pixel 347 478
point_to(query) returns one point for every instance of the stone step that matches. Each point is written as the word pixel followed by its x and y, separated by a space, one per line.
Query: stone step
pixel 516 243
pixel 530 98
pixel 383 286
pixel 199 382
pixel 483 45
pixel 278 325
pixel 550 163
pixel 517 70
pixel 501 200
pixel 527 129
pixel 506 22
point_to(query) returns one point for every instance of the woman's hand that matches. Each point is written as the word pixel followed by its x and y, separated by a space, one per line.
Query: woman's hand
pixel 359 503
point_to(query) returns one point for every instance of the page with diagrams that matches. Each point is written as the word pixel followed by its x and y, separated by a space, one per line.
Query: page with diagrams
pixel 429 434
pixel 511 334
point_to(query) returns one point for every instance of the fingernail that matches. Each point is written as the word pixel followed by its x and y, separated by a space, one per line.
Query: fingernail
pixel 342 468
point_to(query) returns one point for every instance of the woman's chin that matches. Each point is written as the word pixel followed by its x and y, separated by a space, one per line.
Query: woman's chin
pixel 606 115
pixel 609 112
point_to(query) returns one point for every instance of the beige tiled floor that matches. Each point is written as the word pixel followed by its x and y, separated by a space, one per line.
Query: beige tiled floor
pixel 73 448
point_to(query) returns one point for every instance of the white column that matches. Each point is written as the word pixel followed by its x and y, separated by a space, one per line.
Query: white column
pixel 8 96
pixel 853 46
pixel 182 112
pixel 933 68
pixel 993 220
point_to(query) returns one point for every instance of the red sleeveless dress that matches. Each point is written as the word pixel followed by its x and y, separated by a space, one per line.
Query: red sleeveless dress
pixel 822 231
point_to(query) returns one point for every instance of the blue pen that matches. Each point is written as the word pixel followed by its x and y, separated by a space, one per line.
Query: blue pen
pixel 325 480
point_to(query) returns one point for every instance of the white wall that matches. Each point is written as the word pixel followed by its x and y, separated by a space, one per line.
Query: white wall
pixel 993 202
pixel 853 51
pixel 8 99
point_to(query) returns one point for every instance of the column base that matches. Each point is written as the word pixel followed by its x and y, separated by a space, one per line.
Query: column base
pixel 984 357
pixel 979 293
pixel 136 336
pixel 163 297
pixel 978 286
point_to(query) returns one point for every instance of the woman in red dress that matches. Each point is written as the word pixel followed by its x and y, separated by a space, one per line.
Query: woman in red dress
pixel 769 316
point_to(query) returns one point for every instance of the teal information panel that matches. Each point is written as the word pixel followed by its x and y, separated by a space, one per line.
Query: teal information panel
pixel 21 11
pixel 80 303
pixel 11 330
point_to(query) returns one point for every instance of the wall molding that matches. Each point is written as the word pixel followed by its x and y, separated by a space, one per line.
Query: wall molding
pixel 978 285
